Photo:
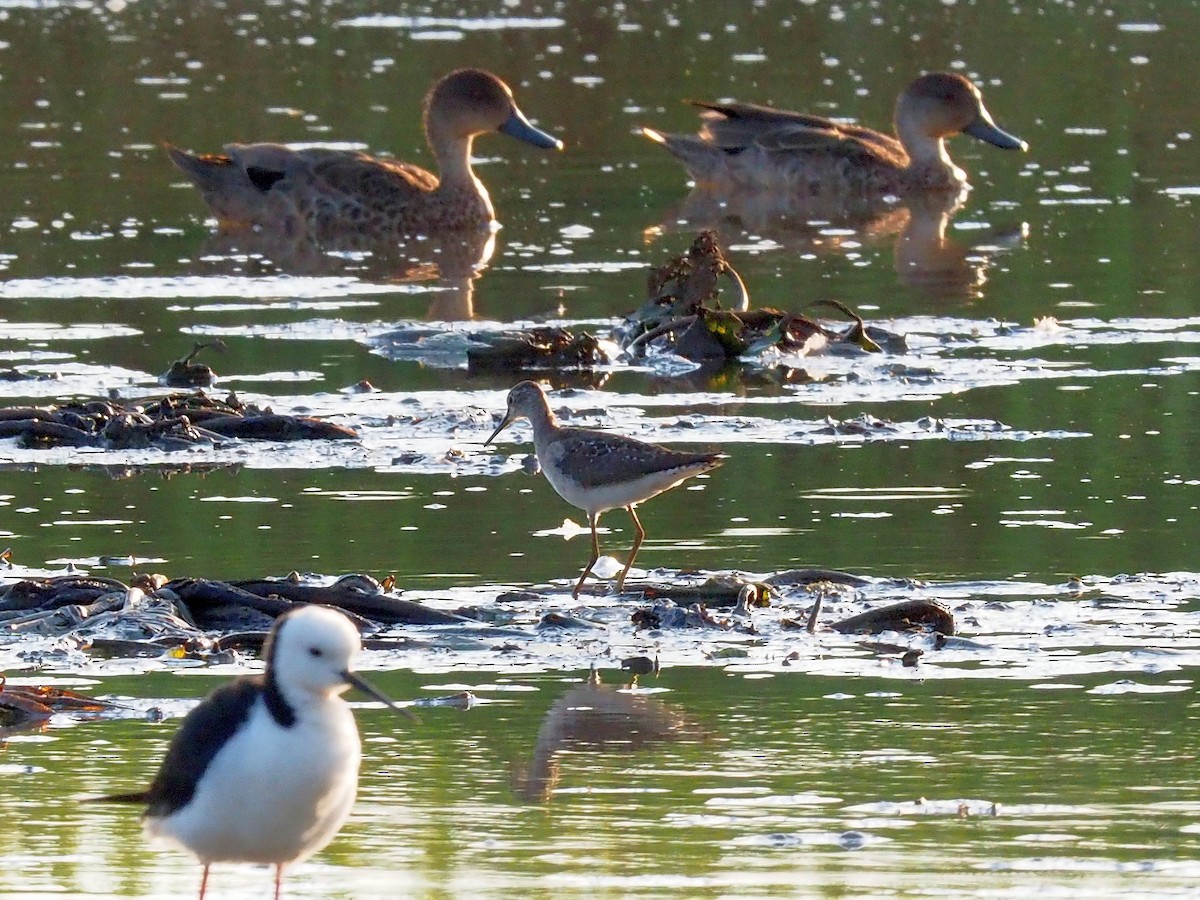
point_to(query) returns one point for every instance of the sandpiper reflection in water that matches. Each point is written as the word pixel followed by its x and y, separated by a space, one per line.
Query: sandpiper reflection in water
pixel 599 717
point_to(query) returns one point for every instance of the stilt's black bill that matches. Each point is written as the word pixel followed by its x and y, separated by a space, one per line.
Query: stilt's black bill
pixel 366 687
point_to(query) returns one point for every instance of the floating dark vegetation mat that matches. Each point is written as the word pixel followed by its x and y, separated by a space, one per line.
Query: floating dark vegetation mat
pixel 358 595
pixel 8 373
pixel 691 606
pixel 152 616
pixel 685 314
pixel 174 422
pixel 185 372
pixel 909 615
pixel 546 347
pixel 209 620
pixel 25 707
pixel 718 591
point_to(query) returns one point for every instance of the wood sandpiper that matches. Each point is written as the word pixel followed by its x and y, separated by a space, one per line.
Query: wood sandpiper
pixel 598 471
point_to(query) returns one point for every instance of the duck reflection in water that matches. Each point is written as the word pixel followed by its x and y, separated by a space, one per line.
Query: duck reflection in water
pixel 448 263
pixel 925 254
pixel 599 717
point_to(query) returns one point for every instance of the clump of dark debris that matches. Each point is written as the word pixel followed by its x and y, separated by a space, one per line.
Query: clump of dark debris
pixel 23 707
pixel 173 612
pixel 186 372
pixel 685 315
pixel 549 347
pixel 176 421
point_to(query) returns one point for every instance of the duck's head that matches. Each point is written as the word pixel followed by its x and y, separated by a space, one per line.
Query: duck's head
pixel 942 104
pixel 472 101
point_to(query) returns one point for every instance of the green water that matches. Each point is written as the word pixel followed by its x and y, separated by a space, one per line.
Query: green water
pixel 1092 793
pixel 1096 790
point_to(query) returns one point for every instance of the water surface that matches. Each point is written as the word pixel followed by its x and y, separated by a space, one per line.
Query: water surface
pixel 1040 426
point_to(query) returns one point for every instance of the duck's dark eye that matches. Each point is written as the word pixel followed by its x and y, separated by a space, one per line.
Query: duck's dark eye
pixel 314 651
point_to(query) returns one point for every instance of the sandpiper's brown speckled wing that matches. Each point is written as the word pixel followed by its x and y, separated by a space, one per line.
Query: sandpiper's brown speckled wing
pixel 597 458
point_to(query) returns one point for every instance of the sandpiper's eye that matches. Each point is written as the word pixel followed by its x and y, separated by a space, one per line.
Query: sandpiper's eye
pixel 314 651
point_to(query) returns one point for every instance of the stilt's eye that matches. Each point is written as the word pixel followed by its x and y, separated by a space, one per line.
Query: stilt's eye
pixel 314 651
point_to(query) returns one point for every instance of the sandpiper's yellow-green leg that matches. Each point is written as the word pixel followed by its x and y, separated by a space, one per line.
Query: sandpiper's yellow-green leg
pixel 639 536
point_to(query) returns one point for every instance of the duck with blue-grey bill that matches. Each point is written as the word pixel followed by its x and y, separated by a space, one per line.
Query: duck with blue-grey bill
pixel 745 147
pixel 336 195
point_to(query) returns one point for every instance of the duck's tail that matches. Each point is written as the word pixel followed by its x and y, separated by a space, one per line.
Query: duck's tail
pixel 701 158
pixel 208 171
pixel 230 192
